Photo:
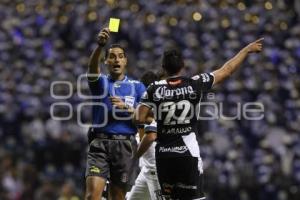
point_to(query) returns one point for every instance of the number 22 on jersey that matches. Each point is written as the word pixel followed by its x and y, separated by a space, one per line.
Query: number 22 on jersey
pixel 183 107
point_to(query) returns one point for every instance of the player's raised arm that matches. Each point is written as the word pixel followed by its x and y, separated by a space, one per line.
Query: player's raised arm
pixel 233 64
pixel 93 67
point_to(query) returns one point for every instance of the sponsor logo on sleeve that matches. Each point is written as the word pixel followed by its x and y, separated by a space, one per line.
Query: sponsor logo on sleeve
pixel 205 78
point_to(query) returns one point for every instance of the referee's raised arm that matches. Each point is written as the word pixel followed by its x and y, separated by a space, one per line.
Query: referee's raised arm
pixel 93 66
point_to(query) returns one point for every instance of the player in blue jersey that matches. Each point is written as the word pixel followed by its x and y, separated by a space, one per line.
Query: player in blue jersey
pixel 175 103
pixel 112 142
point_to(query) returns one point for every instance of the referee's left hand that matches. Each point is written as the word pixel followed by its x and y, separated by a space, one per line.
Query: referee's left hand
pixel 117 101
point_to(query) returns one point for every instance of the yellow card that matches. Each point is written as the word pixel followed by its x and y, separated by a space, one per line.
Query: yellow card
pixel 114 24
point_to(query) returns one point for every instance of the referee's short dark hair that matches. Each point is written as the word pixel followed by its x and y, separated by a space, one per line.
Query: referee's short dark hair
pixel 172 61
pixel 114 46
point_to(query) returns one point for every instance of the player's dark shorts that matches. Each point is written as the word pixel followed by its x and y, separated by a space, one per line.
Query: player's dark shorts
pixel 179 178
pixel 111 157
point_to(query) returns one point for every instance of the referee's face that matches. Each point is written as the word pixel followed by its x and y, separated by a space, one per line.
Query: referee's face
pixel 116 61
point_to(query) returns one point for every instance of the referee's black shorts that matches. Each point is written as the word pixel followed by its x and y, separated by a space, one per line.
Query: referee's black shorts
pixel 179 178
pixel 111 157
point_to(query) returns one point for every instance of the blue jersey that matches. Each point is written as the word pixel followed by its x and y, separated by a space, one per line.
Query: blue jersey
pixel 107 118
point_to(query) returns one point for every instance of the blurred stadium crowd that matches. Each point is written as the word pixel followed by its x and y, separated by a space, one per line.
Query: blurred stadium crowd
pixel 51 40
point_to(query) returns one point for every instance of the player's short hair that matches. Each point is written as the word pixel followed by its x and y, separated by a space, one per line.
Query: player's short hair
pixel 172 61
pixel 114 46
pixel 149 77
